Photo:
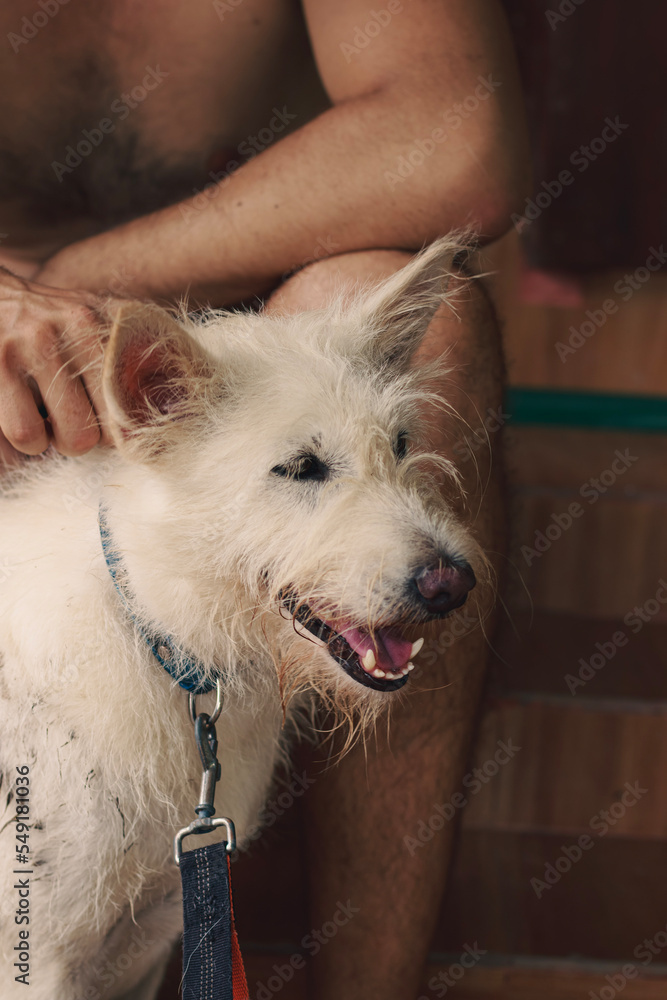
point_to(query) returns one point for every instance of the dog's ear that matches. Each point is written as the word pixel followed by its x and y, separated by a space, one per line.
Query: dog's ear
pixel 399 311
pixel 154 373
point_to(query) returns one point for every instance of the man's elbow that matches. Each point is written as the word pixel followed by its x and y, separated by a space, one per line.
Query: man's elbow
pixel 497 207
pixel 488 190
pixel 509 171
pixel 495 175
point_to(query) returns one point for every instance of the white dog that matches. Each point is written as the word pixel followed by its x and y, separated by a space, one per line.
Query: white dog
pixel 273 519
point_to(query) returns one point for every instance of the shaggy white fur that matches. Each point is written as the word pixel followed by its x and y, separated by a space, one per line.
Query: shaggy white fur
pixel 216 518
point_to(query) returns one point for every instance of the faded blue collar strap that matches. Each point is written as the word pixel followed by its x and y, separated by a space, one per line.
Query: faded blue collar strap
pixel 188 672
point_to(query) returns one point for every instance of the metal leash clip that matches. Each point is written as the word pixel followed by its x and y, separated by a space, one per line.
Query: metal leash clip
pixel 207 745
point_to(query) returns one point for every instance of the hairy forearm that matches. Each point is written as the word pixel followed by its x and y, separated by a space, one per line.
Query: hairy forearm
pixel 335 185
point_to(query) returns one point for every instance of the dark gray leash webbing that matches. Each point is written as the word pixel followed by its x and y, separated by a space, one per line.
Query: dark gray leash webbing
pixel 212 963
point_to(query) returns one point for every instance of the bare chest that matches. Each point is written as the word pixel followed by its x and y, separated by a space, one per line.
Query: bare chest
pixel 108 111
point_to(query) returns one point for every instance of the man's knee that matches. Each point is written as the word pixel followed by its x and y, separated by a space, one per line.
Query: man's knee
pixel 467 330
pixel 465 333
pixel 317 283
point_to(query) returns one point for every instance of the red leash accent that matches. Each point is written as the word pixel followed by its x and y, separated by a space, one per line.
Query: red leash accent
pixel 239 981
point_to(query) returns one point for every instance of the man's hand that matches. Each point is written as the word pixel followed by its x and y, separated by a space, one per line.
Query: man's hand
pixel 50 356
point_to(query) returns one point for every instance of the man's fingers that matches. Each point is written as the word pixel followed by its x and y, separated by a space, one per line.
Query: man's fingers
pixel 85 349
pixel 51 349
pixel 92 380
pixel 94 391
pixel 9 456
pixel 73 422
pixel 21 422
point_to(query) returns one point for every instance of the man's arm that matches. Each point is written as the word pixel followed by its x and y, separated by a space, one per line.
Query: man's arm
pixel 425 134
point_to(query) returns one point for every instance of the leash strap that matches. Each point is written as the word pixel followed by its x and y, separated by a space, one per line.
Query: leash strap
pixel 212 963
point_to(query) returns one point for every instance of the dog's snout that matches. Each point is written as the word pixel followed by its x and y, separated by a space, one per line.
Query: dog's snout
pixel 439 589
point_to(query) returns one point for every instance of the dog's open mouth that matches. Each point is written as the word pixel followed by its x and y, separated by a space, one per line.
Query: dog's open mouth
pixel 381 660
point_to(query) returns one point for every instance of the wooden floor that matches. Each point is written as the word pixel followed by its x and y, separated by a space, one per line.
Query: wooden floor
pixel 578 682
pixel 497 978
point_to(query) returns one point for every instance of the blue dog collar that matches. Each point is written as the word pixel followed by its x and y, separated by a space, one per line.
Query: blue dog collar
pixel 189 673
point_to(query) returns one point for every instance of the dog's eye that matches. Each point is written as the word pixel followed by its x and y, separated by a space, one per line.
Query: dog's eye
pixel 401 445
pixel 305 468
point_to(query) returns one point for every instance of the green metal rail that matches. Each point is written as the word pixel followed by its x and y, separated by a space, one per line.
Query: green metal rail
pixel 596 410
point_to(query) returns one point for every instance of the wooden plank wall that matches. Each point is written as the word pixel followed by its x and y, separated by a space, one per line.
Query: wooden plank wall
pixel 579 681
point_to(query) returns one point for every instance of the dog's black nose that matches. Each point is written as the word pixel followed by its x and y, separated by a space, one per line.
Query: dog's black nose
pixel 439 589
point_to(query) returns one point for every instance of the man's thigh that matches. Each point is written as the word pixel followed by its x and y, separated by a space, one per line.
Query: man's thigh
pixel 422 757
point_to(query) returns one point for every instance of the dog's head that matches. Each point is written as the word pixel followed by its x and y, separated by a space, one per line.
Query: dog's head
pixel 284 488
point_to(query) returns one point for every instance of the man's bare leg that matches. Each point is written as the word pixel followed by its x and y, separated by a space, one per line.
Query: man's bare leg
pixel 359 811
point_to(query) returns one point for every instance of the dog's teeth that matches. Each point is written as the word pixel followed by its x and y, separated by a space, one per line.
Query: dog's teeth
pixel 369 660
pixel 378 673
pixel 416 646
pixel 395 675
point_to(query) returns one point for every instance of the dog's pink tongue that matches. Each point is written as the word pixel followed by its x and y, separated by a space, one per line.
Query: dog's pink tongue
pixel 392 651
